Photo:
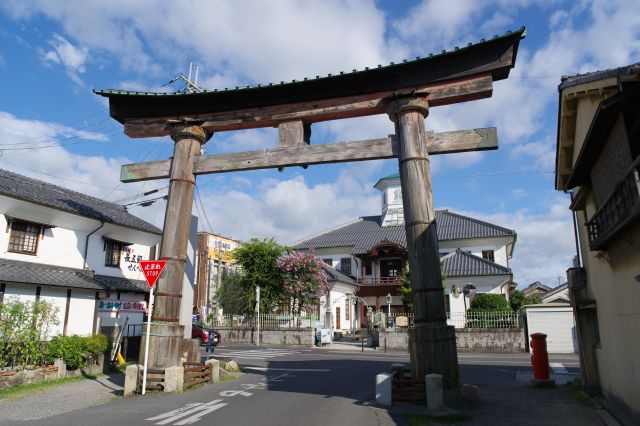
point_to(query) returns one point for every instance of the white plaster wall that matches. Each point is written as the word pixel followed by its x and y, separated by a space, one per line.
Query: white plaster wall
pixel 23 292
pixel 57 296
pixel 188 284
pixel 58 246
pixel 128 268
pixel 477 245
pixel 81 310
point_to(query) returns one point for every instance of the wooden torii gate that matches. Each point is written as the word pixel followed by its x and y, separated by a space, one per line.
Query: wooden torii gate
pixel 405 91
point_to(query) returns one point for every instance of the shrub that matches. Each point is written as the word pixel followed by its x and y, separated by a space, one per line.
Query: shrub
pixel 96 344
pixel 71 349
pixel 24 328
pixel 486 302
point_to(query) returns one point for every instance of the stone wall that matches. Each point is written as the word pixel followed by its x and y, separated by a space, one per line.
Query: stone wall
pixel 467 339
pixel 280 336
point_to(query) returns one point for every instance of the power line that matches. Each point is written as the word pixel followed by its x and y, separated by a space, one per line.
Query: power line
pixel 203 210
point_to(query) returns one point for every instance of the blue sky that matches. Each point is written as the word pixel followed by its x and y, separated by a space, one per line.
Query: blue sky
pixel 52 127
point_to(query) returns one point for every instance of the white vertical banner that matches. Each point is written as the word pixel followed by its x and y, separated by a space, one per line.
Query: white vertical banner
pixel 258 314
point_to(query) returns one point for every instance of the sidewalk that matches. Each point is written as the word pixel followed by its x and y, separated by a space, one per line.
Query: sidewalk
pixel 62 399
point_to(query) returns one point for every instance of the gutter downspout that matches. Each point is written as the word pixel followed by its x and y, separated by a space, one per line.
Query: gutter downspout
pixel 86 245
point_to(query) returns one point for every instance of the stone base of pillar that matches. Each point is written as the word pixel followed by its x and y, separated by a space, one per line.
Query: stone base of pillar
pixel 174 379
pixel 215 370
pixel 131 379
pixel 433 350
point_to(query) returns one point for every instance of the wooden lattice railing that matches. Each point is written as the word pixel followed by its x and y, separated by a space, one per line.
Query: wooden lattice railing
pixel 620 209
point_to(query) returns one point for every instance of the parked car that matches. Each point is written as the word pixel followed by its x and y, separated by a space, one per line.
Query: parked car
pixel 200 332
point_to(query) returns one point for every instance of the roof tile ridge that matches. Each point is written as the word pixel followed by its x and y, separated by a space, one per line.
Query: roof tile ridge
pixel 335 228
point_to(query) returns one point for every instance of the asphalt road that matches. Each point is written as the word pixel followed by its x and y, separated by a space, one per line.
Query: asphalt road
pixel 289 387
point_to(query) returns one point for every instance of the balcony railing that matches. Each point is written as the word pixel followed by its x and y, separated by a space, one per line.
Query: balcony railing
pixel 620 209
pixel 379 281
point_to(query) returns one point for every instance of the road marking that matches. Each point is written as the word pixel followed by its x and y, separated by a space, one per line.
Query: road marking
pixel 558 368
pixel 323 370
pixel 188 410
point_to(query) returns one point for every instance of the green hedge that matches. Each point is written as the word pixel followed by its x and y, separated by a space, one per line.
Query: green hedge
pixel 75 350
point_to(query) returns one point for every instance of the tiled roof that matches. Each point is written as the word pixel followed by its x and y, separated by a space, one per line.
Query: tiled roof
pixel 463 264
pixel 335 275
pixel 520 33
pixel 123 284
pixel 574 80
pixel 536 285
pixel 36 273
pixel 24 188
pixel 366 232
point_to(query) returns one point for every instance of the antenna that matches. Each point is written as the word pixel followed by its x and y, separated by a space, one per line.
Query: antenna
pixel 189 85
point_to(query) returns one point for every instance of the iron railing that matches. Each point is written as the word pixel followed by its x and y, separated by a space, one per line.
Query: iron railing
pixel 622 207
pixel 497 319
pixel 267 321
pixel 379 281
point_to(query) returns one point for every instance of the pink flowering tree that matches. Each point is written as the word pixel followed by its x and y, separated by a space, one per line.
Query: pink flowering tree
pixel 304 280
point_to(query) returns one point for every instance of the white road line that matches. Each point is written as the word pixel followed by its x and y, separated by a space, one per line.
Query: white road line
pixel 323 370
pixel 198 416
pixel 558 368
pixel 188 410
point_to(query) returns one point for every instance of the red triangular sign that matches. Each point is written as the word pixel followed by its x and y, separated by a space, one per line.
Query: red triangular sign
pixel 152 270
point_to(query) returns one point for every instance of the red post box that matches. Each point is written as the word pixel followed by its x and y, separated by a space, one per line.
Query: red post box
pixel 539 356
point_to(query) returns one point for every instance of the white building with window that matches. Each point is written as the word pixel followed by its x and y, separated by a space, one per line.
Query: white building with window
pixel 79 252
pixel 372 250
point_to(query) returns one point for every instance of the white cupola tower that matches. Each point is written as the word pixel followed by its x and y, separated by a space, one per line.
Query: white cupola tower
pixel 392 209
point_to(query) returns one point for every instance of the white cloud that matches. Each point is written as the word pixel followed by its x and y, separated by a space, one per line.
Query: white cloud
pixel 92 175
pixel 72 58
pixel 253 41
pixel 545 246
pixel 291 209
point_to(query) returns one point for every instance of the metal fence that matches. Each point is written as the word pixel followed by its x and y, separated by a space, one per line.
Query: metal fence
pixel 267 321
pixel 498 319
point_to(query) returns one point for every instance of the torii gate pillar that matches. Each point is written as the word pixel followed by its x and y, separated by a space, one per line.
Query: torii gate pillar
pixel 432 343
pixel 167 343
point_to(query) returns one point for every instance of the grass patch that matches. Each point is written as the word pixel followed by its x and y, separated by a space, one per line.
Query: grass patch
pixel 25 390
pixel 419 419
pixel 227 377
pixel 578 394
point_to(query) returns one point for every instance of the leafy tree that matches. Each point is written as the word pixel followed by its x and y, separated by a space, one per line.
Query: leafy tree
pixel 405 290
pixel 304 280
pixel 488 302
pixel 231 295
pixel 518 299
pixel 258 260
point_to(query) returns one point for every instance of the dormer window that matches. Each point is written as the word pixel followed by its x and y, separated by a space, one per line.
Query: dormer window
pixel 24 237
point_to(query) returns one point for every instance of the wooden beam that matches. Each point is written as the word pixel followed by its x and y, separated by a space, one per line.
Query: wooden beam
pixel 450 92
pixel 372 149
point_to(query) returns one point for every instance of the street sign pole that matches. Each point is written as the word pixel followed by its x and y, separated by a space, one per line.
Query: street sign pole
pixel 146 344
pixel 151 270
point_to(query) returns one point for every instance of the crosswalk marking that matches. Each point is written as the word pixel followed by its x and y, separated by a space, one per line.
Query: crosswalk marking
pixel 557 367
pixel 257 353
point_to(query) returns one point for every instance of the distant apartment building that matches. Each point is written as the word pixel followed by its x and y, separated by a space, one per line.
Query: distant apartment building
pixel 214 256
